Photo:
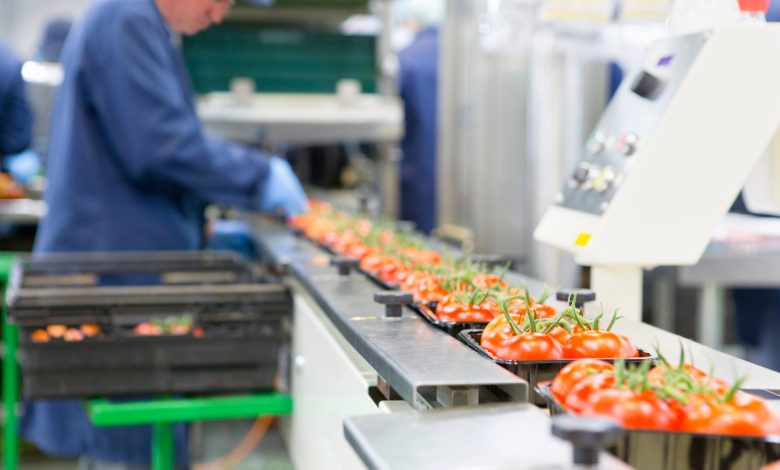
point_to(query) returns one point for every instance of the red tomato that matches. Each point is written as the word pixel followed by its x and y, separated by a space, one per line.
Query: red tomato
pixel 363 227
pixel 420 256
pixel 456 312
pixel 497 331
pixel 726 419
pixel 560 334
pixel 530 347
pixel 360 250
pixel 578 395
pixel 394 272
pixel 629 350
pixel 655 376
pixel 90 329
pixel 744 414
pixel 424 286
pixel 720 387
pixel 486 281
pixel 147 329
pixel 696 413
pixel 386 237
pixel 594 343
pixel 545 311
pixel 633 410
pixel 39 336
pixel 372 264
pixel 575 371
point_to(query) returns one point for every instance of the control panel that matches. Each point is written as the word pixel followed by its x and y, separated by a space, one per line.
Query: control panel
pixel 671 151
pixel 629 120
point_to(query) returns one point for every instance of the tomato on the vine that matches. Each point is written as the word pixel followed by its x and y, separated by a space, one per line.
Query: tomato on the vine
pixel 545 311
pixel 530 347
pixel 424 286
pixel 487 281
pixel 463 312
pixel 372 264
pixel 575 371
pixel 497 331
pixel 595 344
pixel 655 376
pixel 580 393
pixel 629 350
pixel 632 409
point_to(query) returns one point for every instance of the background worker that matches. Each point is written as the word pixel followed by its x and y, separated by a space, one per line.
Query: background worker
pixel 130 168
pixel 15 116
pixel 418 85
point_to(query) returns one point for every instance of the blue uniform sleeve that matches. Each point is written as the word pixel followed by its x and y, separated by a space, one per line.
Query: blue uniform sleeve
pixel 15 115
pixel 151 126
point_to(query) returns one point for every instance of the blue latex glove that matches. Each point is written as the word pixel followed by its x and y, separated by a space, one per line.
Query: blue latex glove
pixel 233 235
pixel 283 191
pixel 23 166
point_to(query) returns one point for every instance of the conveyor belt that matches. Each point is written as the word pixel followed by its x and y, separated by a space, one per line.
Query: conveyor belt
pixel 415 359
pixel 413 356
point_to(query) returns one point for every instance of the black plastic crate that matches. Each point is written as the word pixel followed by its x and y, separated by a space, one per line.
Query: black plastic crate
pixel 228 339
pixel 534 372
pixel 650 450
pixel 452 328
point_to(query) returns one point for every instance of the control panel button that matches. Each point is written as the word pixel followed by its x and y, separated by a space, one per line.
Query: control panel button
pixel 582 173
pixel 628 144
pixel 604 180
pixel 597 142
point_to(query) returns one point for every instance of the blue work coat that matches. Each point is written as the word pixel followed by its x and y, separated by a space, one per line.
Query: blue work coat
pixel 129 168
pixel 418 88
pixel 15 115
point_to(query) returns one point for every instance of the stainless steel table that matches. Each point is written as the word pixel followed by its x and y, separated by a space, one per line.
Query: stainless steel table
pixel 494 437
pixel 27 211
pixel 750 259
pixel 302 118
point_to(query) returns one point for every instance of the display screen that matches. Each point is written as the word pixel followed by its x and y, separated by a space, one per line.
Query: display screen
pixel 665 60
pixel 647 85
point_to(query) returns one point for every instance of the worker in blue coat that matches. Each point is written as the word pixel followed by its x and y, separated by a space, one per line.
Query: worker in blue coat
pixel 418 88
pixel 15 116
pixel 129 168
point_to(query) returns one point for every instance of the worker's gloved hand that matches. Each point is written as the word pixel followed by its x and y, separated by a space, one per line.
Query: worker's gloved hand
pixel 283 191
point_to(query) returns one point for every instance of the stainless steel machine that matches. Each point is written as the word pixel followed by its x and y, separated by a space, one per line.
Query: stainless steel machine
pixel 668 157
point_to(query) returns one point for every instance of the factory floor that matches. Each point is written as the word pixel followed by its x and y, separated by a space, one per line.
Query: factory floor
pixel 211 441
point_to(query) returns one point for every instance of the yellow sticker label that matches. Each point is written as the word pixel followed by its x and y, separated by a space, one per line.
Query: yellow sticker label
pixel 582 239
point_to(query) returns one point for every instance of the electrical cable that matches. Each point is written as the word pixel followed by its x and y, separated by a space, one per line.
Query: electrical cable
pixel 243 449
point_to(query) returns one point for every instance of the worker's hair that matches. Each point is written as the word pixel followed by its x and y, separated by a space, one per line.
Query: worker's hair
pixel 426 12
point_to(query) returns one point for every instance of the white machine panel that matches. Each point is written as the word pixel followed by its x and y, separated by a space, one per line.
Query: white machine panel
pixel 671 152
pixel 330 382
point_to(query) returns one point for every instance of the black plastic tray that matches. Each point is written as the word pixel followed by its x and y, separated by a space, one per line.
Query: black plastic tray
pixel 379 282
pixel 453 328
pixel 534 372
pixel 651 450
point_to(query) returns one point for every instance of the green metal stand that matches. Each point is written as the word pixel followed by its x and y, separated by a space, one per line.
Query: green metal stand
pixel 162 413
pixel 10 374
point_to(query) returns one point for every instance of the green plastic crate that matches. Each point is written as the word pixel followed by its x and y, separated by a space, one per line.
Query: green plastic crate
pixel 279 59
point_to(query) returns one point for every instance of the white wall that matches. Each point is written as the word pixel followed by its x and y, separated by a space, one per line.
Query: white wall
pixel 22 21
